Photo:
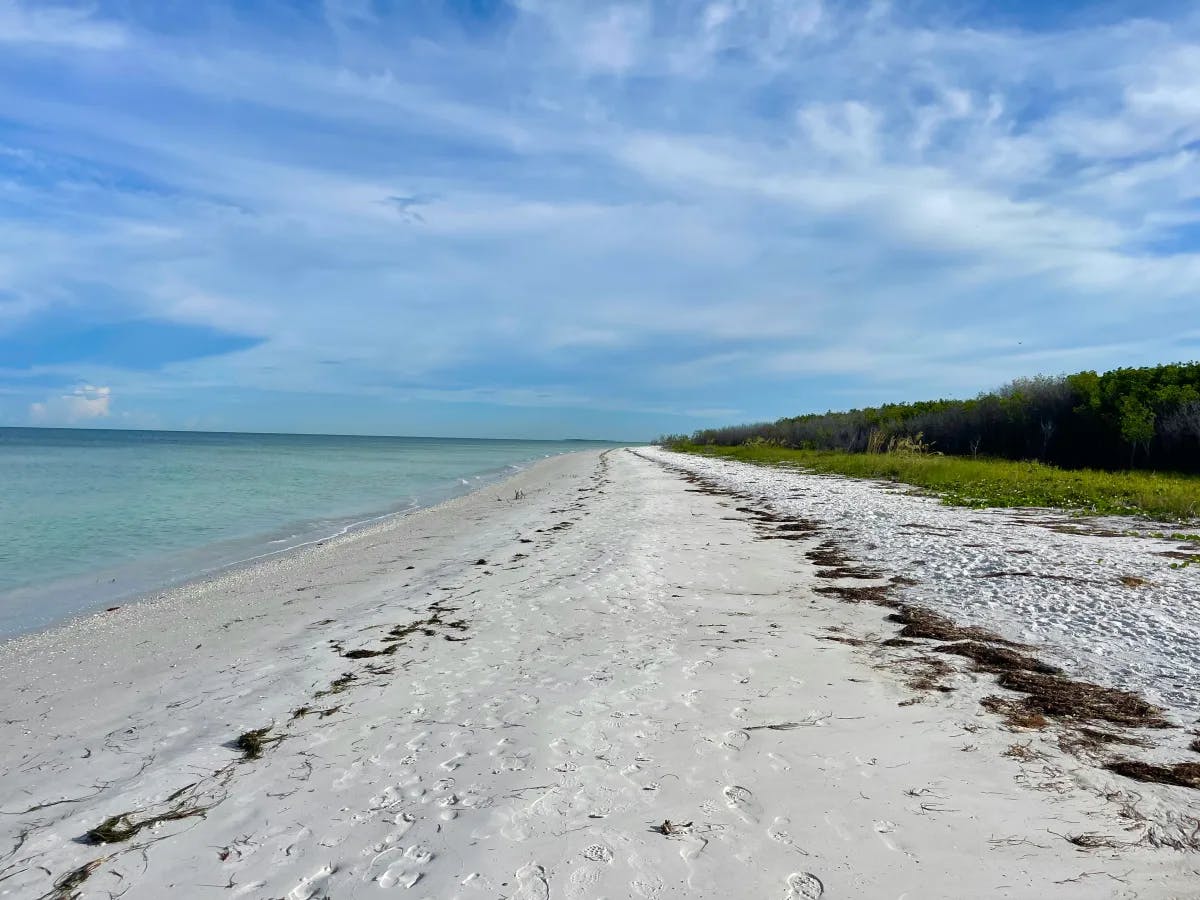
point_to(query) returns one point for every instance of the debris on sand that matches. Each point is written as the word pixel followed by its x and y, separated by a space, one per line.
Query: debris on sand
pixel 1066 698
pixel 1186 774
pixel 990 658
pixel 180 805
pixel 255 742
pixel 919 622
pixel 670 828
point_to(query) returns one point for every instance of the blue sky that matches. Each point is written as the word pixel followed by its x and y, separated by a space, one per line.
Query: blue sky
pixel 546 218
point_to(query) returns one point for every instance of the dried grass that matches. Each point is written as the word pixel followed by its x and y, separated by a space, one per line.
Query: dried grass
pixel 1024 752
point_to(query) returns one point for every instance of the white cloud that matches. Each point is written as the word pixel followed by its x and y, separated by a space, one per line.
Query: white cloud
pixel 610 42
pixel 38 23
pixel 845 131
pixel 85 403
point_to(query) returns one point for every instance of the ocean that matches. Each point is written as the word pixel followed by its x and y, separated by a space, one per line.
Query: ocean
pixel 91 518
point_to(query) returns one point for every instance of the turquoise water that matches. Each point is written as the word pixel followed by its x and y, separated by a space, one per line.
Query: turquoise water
pixel 88 518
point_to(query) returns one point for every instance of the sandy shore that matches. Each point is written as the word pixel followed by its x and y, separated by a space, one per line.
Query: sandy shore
pixel 611 687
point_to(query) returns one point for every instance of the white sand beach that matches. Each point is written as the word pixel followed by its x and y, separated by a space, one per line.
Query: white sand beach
pixel 599 679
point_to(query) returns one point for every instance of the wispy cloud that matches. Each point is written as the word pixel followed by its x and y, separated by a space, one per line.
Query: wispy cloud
pixel 703 207
pixel 48 24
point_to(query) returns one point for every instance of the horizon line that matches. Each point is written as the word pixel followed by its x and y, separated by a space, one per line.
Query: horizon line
pixel 427 437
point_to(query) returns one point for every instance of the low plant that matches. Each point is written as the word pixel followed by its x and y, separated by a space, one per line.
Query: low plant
pixel 983 482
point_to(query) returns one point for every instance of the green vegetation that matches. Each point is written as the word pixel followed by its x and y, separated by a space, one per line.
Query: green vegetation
pixel 1147 418
pixel 982 482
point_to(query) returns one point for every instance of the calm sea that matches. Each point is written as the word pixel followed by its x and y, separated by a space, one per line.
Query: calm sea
pixel 89 518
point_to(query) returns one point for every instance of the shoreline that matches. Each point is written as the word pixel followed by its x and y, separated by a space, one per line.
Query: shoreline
pixel 623 684
pixel 162 587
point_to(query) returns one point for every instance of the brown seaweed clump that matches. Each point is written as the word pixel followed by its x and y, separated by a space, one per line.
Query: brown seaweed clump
pixel 1015 713
pixel 255 742
pixel 1066 698
pixel 124 826
pixel 65 887
pixel 990 658
pixel 919 622
pixel 1186 774
pixel 877 594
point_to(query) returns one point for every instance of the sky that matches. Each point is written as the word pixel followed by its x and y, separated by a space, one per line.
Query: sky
pixel 548 218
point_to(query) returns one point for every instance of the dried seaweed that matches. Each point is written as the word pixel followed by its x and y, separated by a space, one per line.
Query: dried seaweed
pixel 122 827
pixel 1015 713
pixel 65 887
pixel 1066 698
pixel 919 622
pixel 990 658
pixel 255 742
pixel 1185 774
pixel 876 594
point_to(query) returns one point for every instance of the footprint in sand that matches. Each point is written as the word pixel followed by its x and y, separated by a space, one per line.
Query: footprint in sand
pixel 312 885
pixel 517 828
pixel 735 740
pixel 803 886
pixel 598 853
pixel 883 828
pixel 407 870
pixel 645 882
pixel 691 670
pixel 742 801
pixel 583 880
pixel 838 825
pixel 453 762
pixel 531 883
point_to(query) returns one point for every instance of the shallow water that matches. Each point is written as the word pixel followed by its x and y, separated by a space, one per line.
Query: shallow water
pixel 89 516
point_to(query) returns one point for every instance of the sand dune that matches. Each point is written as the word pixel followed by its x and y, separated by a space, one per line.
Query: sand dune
pixel 611 687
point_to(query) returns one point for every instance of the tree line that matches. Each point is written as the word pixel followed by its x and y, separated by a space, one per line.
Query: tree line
pixel 1128 418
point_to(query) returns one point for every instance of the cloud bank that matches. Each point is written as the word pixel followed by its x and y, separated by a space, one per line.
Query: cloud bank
pixel 85 403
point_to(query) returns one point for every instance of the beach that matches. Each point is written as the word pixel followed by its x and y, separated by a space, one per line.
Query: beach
pixel 616 674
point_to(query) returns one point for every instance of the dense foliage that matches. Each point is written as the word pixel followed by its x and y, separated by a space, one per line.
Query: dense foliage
pixel 1127 418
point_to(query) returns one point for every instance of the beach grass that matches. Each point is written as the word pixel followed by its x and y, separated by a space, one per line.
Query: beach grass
pixel 983 482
